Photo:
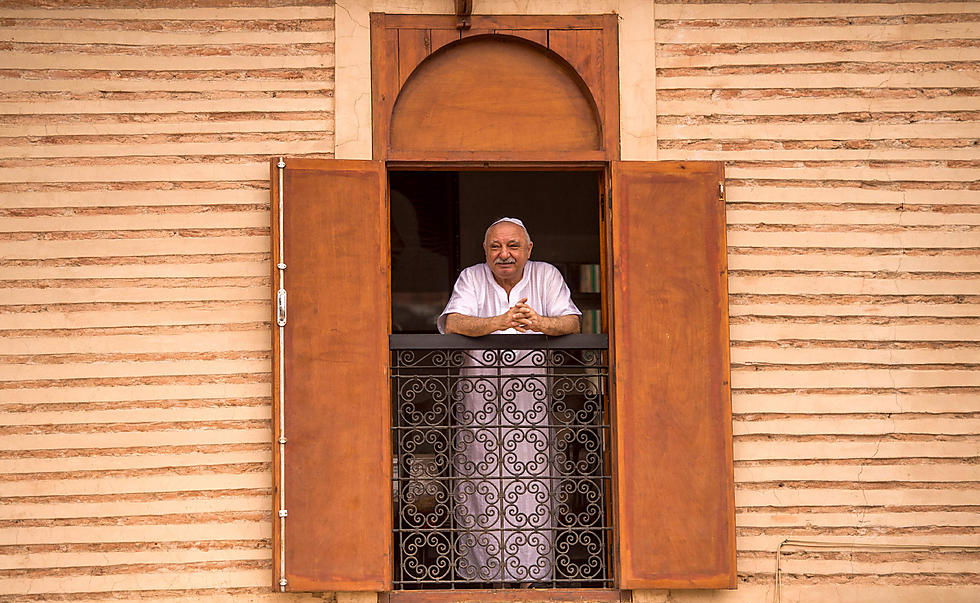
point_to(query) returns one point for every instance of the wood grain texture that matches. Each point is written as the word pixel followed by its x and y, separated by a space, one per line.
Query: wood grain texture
pixel 493 94
pixel 670 357
pixel 583 48
pixel 440 37
pixel 385 82
pixel 413 46
pixel 336 405
pixel 494 101
pixel 539 36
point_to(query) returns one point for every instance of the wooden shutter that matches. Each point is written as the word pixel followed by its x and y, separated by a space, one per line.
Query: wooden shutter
pixel 336 460
pixel 673 443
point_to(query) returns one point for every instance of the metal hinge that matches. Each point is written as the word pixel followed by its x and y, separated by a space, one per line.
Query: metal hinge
pixel 281 308
pixel 282 583
pixel 721 191
pixel 283 513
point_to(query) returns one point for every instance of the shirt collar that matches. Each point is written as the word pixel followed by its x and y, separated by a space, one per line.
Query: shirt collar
pixel 521 284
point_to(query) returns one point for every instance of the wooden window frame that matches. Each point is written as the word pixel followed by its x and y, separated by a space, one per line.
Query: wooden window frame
pixel 562 595
pixel 386 84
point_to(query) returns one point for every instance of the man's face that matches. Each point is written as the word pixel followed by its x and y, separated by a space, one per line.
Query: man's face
pixel 508 250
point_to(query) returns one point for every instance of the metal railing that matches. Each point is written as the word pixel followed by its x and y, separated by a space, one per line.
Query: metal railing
pixel 500 470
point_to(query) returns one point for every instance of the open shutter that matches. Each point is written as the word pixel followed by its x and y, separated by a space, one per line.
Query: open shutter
pixel 673 454
pixel 335 465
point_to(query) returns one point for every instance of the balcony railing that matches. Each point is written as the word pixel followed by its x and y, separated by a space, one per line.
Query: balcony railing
pixel 500 470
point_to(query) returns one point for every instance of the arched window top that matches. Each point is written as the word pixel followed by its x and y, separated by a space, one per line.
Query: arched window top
pixel 495 93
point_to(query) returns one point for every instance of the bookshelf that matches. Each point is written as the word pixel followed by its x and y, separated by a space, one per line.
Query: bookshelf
pixel 585 282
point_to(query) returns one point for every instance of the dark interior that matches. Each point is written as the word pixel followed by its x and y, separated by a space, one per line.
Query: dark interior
pixel 438 219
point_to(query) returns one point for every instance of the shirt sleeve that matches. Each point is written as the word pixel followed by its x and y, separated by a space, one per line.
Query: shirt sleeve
pixel 462 301
pixel 558 294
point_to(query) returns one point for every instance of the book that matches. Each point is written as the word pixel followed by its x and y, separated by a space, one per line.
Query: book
pixel 589 278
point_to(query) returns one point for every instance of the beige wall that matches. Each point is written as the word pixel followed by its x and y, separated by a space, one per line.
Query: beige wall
pixel 849 135
pixel 134 368
pixel 136 358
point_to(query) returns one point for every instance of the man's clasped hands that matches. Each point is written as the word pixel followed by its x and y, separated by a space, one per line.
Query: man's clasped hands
pixel 522 317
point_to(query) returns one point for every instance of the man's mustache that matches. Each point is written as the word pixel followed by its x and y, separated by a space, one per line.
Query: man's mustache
pixel 506 261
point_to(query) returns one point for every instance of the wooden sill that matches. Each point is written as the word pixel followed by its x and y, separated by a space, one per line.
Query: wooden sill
pixel 576 595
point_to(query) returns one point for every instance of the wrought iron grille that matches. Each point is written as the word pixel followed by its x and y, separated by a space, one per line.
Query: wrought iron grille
pixel 500 471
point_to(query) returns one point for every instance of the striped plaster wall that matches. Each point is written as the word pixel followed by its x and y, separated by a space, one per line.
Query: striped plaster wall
pixel 133 229
pixel 135 363
pixel 850 133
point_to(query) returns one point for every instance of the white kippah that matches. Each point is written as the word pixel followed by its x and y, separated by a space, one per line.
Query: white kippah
pixel 512 221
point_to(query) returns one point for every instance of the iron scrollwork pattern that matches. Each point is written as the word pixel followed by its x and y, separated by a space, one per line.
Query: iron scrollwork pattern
pixel 500 475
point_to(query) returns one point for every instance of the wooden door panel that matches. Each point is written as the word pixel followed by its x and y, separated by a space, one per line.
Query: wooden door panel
pixel 493 94
pixel 673 443
pixel 475 31
pixel 582 48
pixel 441 37
pixel 336 474
pixel 538 36
pixel 413 46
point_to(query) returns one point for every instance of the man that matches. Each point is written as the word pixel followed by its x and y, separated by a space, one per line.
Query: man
pixel 501 447
pixel 495 297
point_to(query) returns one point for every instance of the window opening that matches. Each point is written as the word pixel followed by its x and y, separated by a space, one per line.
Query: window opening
pixel 500 474
pixel 438 219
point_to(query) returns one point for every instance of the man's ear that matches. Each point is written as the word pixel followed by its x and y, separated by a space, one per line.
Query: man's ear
pixel 530 246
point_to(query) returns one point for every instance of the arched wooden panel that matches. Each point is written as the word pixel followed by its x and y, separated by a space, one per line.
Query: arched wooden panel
pixel 495 93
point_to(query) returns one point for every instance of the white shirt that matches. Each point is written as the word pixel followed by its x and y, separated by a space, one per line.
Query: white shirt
pixel 476 293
